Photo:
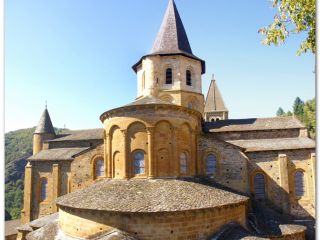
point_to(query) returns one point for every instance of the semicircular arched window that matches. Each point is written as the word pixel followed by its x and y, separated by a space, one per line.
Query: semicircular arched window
pixel 139 166
pixel 183 163
pixel 99 168
pixel 299 184
pixel 259 186
pixel 169 76
pixel 211 164
pixel 44 189
pixel 188 78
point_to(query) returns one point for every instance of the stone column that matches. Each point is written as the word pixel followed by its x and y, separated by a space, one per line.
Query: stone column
pixel 56 185
pixel 27 203
pixel 174 163
pixel 150 132
pixel 108 156
pixel 193 161
pixel 313 172
pixel 284 182
pixel 125 153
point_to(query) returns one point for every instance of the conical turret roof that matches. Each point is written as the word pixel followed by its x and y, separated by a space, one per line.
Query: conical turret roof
pixel 45 124
pixel 172 38
pixel 214 100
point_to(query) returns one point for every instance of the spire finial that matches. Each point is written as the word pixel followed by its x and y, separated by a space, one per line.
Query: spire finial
pixel 212 76
pixel 46 105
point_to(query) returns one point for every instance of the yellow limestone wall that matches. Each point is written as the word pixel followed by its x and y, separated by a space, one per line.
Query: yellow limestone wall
pixel 193 224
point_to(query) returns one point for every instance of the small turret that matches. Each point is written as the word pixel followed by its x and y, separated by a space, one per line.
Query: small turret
pixel 215 109
pixel 43 132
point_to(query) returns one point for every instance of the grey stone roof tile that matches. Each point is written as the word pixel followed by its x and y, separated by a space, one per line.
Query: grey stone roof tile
pixel 78 135
pixel 148 196
pixel 253 124
pixel 257 145
pixel 10 227
pixel 57 154
pixel 172 38
pixel 45 124
pixel 214 100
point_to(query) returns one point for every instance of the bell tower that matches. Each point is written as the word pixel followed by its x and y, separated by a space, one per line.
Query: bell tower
pixel 171 71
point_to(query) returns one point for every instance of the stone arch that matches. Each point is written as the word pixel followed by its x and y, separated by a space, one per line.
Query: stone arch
pixel 259 185
pixel 163 162
pixel 136 165
pixel 184 162
pixel 163 135
pixel 93 162
pixel 207 162
pixel 190 70
pixel 118 165
pixel 167 98
pixel 165 68
pixel 192 103
pixel 137 138
pixel 300 188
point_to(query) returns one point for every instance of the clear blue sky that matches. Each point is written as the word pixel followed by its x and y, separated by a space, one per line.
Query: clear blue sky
pixel 77 55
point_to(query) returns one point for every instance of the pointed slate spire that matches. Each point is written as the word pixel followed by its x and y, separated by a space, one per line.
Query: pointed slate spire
pixel 45 124
pixel 172 37
pixel 214 100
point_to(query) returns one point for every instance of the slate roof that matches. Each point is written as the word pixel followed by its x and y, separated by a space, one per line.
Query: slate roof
pixel 45 124
pixel 148 100
pixel 10 227
pixel 52 231
pixel 172 38
pixel 256 145
pixel 57 154
pixel 78 135
pixel 214 100
pixel 147 196
pixel 253 124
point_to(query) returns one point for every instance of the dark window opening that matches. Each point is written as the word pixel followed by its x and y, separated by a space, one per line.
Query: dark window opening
pixel 188 77
pixel 169 76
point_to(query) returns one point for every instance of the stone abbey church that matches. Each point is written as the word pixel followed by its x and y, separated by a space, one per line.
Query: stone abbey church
pixel 171 164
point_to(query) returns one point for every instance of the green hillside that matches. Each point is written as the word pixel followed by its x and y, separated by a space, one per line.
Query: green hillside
pixel 18 147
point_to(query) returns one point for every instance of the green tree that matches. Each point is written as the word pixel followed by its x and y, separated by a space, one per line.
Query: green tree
pixel 289 113
pixel 293 17
pixel 280 112
pixel 298 106
pixel 309 117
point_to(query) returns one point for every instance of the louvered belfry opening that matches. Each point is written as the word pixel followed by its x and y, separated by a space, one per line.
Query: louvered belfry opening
pixel 259 186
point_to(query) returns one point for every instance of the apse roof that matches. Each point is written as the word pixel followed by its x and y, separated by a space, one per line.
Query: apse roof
pixel 148 196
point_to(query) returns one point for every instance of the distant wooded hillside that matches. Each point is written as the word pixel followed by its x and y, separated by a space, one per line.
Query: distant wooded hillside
pixel 18 147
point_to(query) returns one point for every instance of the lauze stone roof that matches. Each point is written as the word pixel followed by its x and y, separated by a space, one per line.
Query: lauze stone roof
pixel 214 100
pixel 57 154
pixel 255 145
pixel 148 196
pixel 253 124
pixel 78 135
pixel 45 124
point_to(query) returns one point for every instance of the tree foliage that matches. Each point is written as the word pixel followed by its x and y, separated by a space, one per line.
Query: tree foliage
pixel 293 17
pixel 280 112
pixel 298 107
pixel 305 112
pixel 18 147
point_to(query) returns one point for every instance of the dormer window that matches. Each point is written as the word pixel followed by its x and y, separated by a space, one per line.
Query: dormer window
pixel 169 76
pixel 188 78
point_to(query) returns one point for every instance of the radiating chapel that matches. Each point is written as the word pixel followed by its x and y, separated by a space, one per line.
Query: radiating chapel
pixel 169 165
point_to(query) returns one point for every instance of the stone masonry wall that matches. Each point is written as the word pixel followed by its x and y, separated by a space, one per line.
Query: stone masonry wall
pixel 268 164
pixel 193 224
pixel 231 162
pixel 284 133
